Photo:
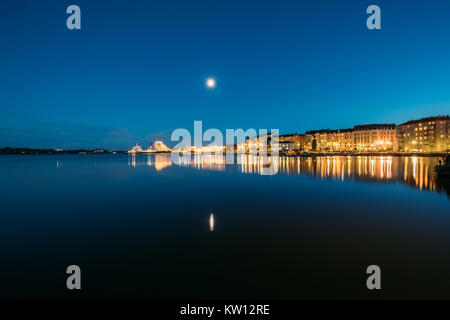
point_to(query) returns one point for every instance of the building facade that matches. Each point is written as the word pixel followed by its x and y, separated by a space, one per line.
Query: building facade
pixel 327 140
pixel 136 149
pixel 375 138
pixel 291 143
pixel 317 140
pixel 340 140
pixel 430 134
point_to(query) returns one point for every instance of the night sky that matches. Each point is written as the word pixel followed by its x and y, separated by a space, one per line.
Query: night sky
pixel 137 69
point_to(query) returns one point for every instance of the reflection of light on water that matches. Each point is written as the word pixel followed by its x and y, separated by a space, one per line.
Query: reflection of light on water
pixel 405 167
pixel 421 173
pixel 372 167
pixel 359 166
pixel 261 164
pixel 415 171
pixel 414 159
pixel 389 168
pixel 204 162
pixel 162 161
pixel 328 166
pixel 211 222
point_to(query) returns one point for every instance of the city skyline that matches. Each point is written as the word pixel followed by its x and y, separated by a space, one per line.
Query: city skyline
pixel 310 132
pixel 137 71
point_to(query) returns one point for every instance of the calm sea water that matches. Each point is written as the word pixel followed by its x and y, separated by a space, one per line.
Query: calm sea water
pixel 141 227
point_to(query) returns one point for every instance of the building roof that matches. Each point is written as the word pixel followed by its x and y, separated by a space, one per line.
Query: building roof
pixel 427 119
pixel 343 130
pixel 318 131
pixel 375 126
pixel 328 131
pixel 291 135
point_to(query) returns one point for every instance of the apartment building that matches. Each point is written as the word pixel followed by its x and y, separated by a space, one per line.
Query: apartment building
pixel 431 134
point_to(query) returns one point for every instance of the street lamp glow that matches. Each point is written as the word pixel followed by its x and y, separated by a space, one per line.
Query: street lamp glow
pixel 210 83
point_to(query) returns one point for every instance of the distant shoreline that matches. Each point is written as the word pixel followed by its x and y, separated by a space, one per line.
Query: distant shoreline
pixel 30 151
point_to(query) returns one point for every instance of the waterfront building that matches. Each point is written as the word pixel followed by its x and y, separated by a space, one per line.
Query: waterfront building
pixel 136 149
pixel 214 149
pixel 291 143
pixel 288 147
pixel 326 140
pixel 158 146
pixel 251 145
pixel 431 134
pixel 340 140
pixel 258 144
pixel 301 140
pixel 374 137
pixel 309 142
pixel 316 140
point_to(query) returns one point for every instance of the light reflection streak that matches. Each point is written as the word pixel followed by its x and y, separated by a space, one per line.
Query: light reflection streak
pixel 211 222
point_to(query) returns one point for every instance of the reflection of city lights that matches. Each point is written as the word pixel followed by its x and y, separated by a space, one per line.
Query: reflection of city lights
pixel 162 161
pixel 416 171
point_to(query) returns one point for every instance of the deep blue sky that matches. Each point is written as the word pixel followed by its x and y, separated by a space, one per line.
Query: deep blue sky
pixel 136 70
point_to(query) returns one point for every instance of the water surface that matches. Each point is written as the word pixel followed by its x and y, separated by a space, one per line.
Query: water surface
pixel 142 227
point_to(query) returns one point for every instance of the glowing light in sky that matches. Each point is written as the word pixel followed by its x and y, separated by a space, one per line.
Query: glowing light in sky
pixel 210 83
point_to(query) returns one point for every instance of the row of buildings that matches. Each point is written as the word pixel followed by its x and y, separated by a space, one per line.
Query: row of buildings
pixel 424 135
pixel 430 134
